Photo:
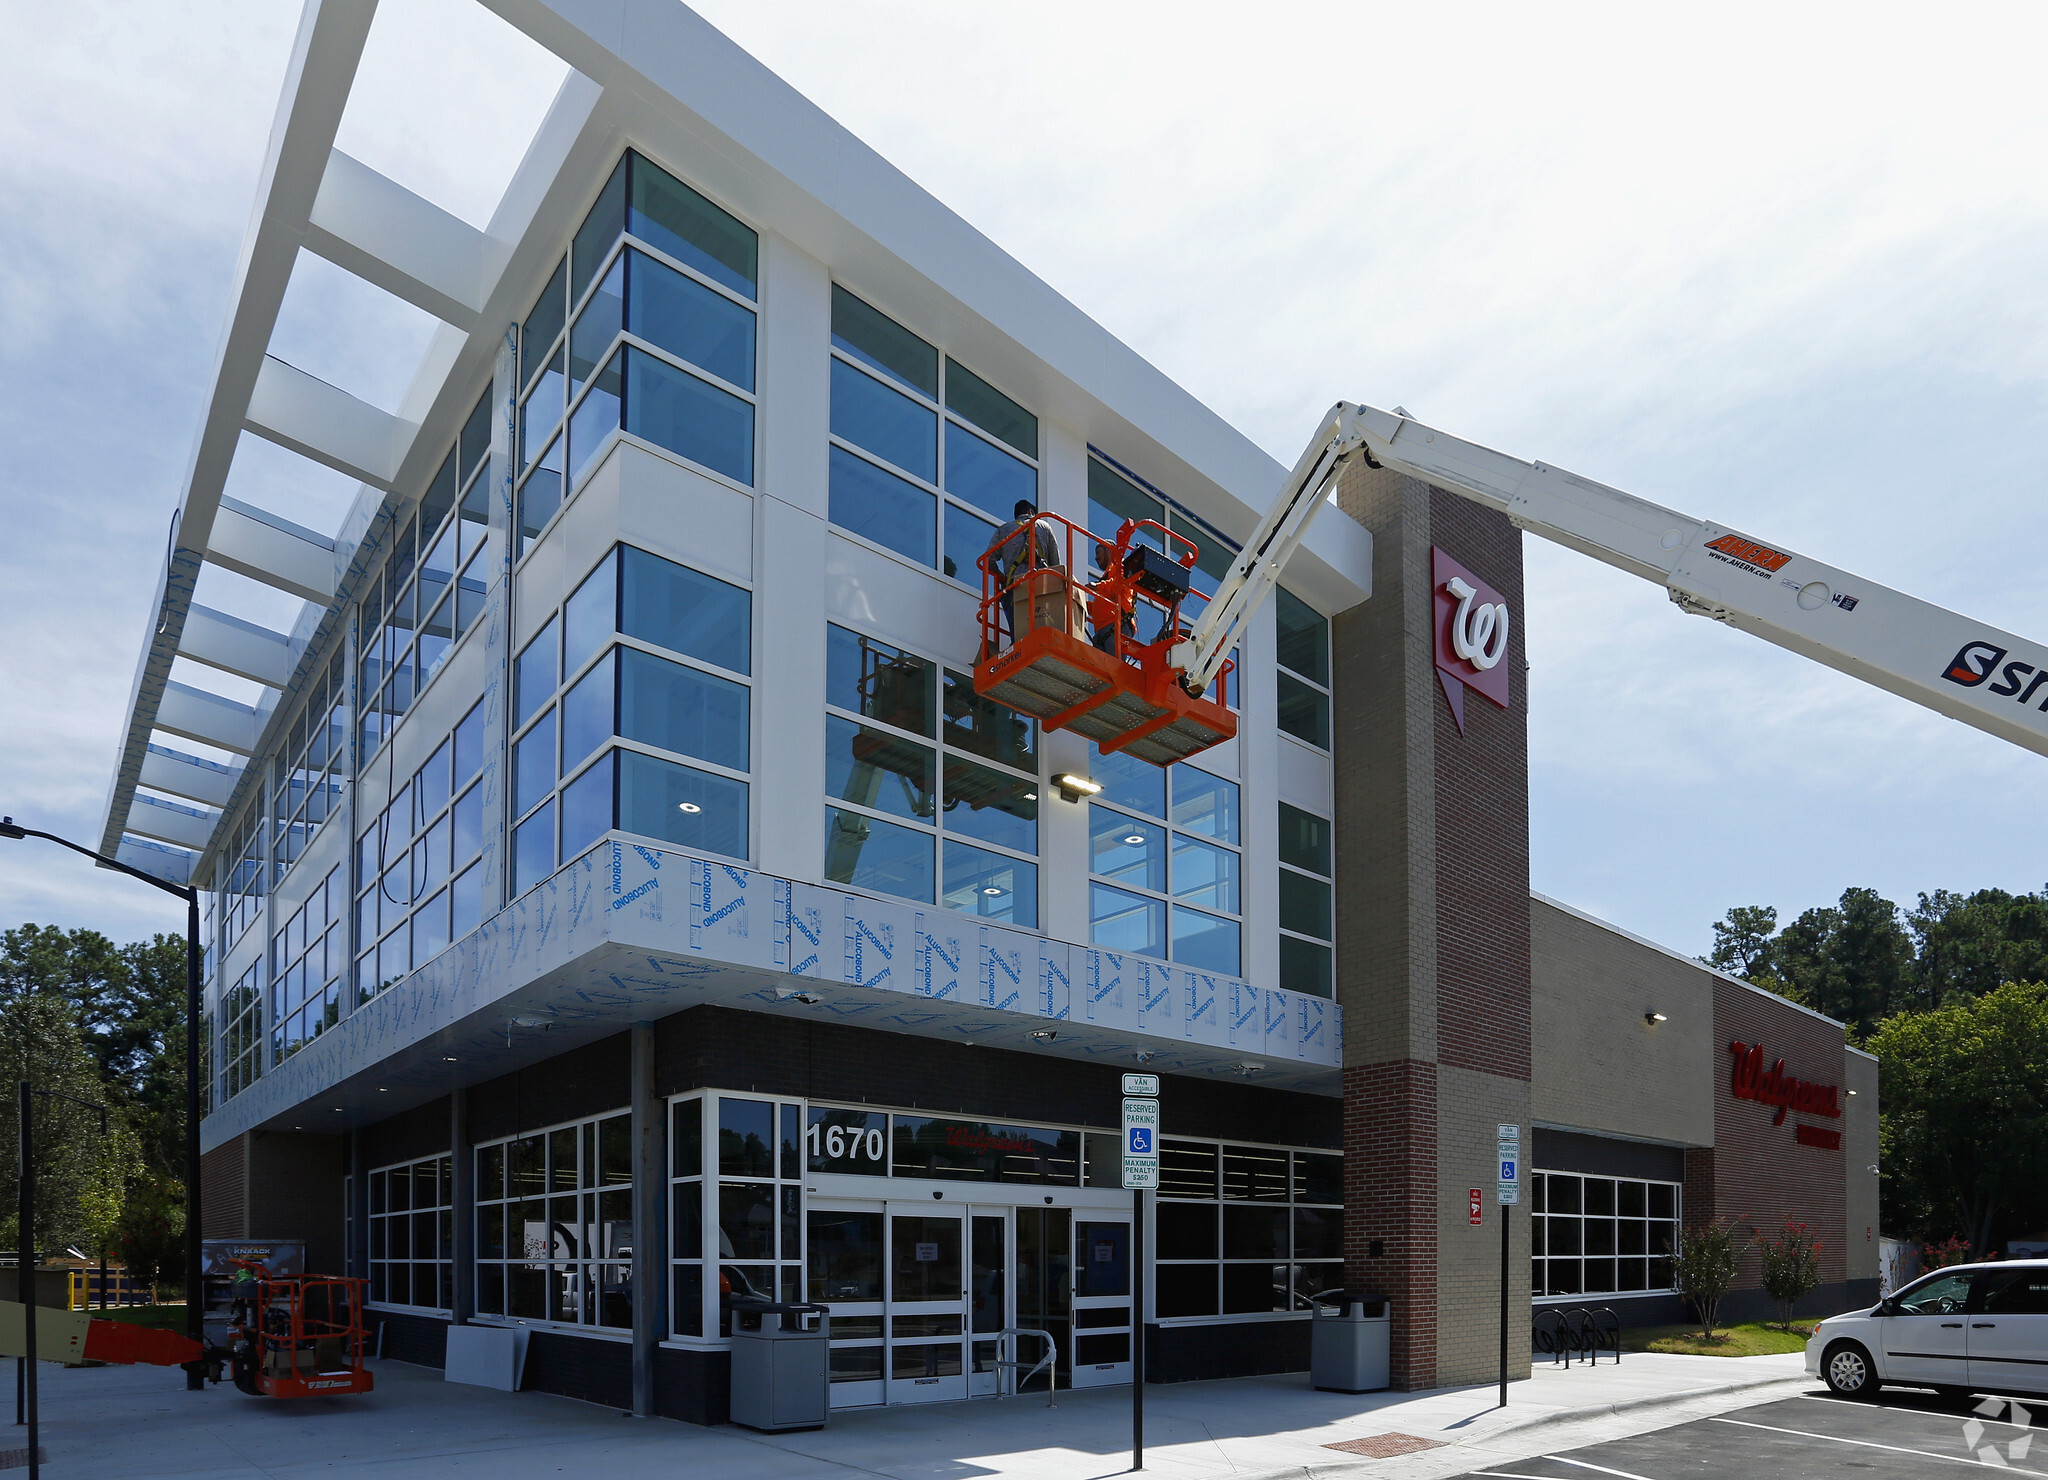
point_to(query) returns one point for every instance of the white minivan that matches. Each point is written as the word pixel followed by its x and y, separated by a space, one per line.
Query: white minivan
pixel 1968 1328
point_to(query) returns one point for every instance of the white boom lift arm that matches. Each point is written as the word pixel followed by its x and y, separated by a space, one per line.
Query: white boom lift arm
pixel 1950 663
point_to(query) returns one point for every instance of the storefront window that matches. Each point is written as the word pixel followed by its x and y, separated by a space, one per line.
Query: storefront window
pixel 1600 1235
pixel 737 1207
pixel 554 1225
pixel 977 1151
pixel 412 1234
pixel 1246 1230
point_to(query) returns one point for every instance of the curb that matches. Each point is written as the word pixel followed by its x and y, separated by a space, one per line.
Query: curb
pixel 1340 1467
pixel 1637 1405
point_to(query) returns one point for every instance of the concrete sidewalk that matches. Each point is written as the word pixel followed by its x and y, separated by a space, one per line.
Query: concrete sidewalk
pixel 112 1423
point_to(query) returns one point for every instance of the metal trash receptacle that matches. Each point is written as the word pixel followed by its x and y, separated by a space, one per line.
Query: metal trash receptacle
pixel 780 1377
pixel 1350 1342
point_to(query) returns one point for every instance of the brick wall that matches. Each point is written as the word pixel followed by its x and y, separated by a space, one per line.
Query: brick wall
pixel 223 1185
pixel 295 1193
pixel 1433 937
pixel 1762 1175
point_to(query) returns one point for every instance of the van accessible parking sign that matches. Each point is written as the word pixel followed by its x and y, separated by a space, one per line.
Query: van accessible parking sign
pixel 1141 1145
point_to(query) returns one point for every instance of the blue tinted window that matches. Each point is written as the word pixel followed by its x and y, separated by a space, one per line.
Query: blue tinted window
pixel 1125 849
pixel 967 539
pixel 587 714
pixel 990 885
pixel 873 338
pixel 543 409
pixel 596 418
pixel 540 496
pixel 543 322
pixel 988 478
pixel 599 230
pixel 587 807
pixel 1304 967
pixel 893 512
pixel 672 707
pixel 680 804
pixel 686 611
pixel 589 615
pixel 466 901
pixel 872 678
pixel 991 805
pixel 599 323
pixel 674 409
pixel 1204 874
pixel 535 675
pixel 690 321
pixel 968 395
pixel 533 849
pixel 1130 782
pixel 1205 804
pixel 874 768
pixel 883 856
pixel 1205 942
pixel 533 764
pixel 1128 922
pixel 885 422
pixel 668 214
pixel 469 825
pixel 1301 711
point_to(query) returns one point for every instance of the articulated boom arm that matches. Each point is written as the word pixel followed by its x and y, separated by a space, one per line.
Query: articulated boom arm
pixel 1257 567
pixel 1963 668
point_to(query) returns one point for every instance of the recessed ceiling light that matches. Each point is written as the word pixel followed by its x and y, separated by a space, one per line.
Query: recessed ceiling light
pixel 991 889
pixel 448 1058
pixel 1030 796
pixel 688 807
pixel 382 1090
pixel 1135 838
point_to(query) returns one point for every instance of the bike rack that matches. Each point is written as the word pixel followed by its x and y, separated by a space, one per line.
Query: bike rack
pixel 1007 1363
pixel 1553 1339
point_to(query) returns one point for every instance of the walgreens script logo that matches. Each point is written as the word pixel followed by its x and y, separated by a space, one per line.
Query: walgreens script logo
pixel 1472 626
pixel 1773 1086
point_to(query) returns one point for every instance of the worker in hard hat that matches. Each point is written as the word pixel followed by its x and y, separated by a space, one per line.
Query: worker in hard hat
pixel 1022 546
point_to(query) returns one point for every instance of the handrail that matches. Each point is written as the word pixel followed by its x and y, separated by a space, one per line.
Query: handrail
pixel 1006 1340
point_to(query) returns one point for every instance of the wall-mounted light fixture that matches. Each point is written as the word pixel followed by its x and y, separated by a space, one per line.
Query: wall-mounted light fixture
pixel 1073 787
pixel 1852 1091
pixel 1654 1017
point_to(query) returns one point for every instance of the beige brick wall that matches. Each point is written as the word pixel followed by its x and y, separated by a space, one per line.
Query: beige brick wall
pixel 1598 1065
pixel 1859 1155
pixel 1471 1107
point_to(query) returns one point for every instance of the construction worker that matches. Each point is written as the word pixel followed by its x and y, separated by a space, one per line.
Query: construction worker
pixel 1013 548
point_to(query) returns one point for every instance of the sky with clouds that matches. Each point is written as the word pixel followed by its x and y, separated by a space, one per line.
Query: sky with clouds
pixel 1774 266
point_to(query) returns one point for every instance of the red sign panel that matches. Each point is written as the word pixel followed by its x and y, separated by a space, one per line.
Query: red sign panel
pixel 1478 1208
pixel 1471 625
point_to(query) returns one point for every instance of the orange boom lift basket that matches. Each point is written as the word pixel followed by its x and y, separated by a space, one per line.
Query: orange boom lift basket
pixel 301 1337
pixel 1090 656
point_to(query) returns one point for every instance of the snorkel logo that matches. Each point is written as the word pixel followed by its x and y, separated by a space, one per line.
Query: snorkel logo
pixel 1973 663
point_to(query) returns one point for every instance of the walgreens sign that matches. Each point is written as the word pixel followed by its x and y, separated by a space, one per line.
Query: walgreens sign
pixel 1773 1086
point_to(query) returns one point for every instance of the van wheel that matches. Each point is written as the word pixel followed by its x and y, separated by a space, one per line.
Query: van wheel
pixel 1846 1366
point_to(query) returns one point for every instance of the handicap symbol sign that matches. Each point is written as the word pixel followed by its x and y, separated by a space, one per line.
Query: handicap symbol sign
pixel 1141 1140
pixel 1507 1170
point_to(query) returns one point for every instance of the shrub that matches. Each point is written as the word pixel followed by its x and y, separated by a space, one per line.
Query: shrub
pixel 1791 1267
pixel 1703 1263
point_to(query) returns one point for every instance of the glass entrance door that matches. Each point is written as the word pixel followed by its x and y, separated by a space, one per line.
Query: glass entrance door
pixel 1102 1300
pixel 927 1305
pixel 1045 1299
pixel 988 1297
pixel 844 1270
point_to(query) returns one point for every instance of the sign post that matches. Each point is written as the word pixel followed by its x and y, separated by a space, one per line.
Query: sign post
pixel 1509 1151
pixel 1141 1175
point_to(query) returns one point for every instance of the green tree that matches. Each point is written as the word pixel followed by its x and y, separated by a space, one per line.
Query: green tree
pixel 1964 1126
pixel 1742 942
pixel 81 1174
pixel 1966 945
pixel 150 1236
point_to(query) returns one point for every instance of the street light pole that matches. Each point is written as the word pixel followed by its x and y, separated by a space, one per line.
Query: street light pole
pixel 194 1317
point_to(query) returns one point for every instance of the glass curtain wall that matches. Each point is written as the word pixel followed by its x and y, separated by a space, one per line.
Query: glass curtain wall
pixel 308 961
pixel 554 1224
pixel 647 329
pixel 927 458
pixel 1164 856
pixel 1307 913
pixel 633 710
pixel 932 792
pixel 412 1234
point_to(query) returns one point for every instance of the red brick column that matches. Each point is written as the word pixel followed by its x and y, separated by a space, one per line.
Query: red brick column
pixel 1390 1124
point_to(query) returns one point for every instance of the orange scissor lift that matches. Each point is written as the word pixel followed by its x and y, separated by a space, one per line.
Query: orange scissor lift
pixel 302 1337
pixel 1067 652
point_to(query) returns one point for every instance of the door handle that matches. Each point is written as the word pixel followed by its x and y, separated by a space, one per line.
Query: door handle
pixel 1951 1325
pixel 1986 1325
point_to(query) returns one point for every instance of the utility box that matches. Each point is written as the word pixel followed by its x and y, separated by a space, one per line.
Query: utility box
pixel 780 1376
pixel 1350 1345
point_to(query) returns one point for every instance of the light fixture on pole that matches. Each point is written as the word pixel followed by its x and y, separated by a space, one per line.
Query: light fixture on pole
pixel 195 1378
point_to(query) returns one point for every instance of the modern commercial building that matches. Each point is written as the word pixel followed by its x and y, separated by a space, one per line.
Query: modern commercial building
pixel 621 899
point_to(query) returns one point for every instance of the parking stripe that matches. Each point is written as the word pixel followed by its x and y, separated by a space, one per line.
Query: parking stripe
pixel 1870 1444
pixel 1558 1459
pixel 1971 1417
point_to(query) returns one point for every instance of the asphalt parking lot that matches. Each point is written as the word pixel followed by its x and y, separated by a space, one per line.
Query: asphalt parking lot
pixel 1903 1434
